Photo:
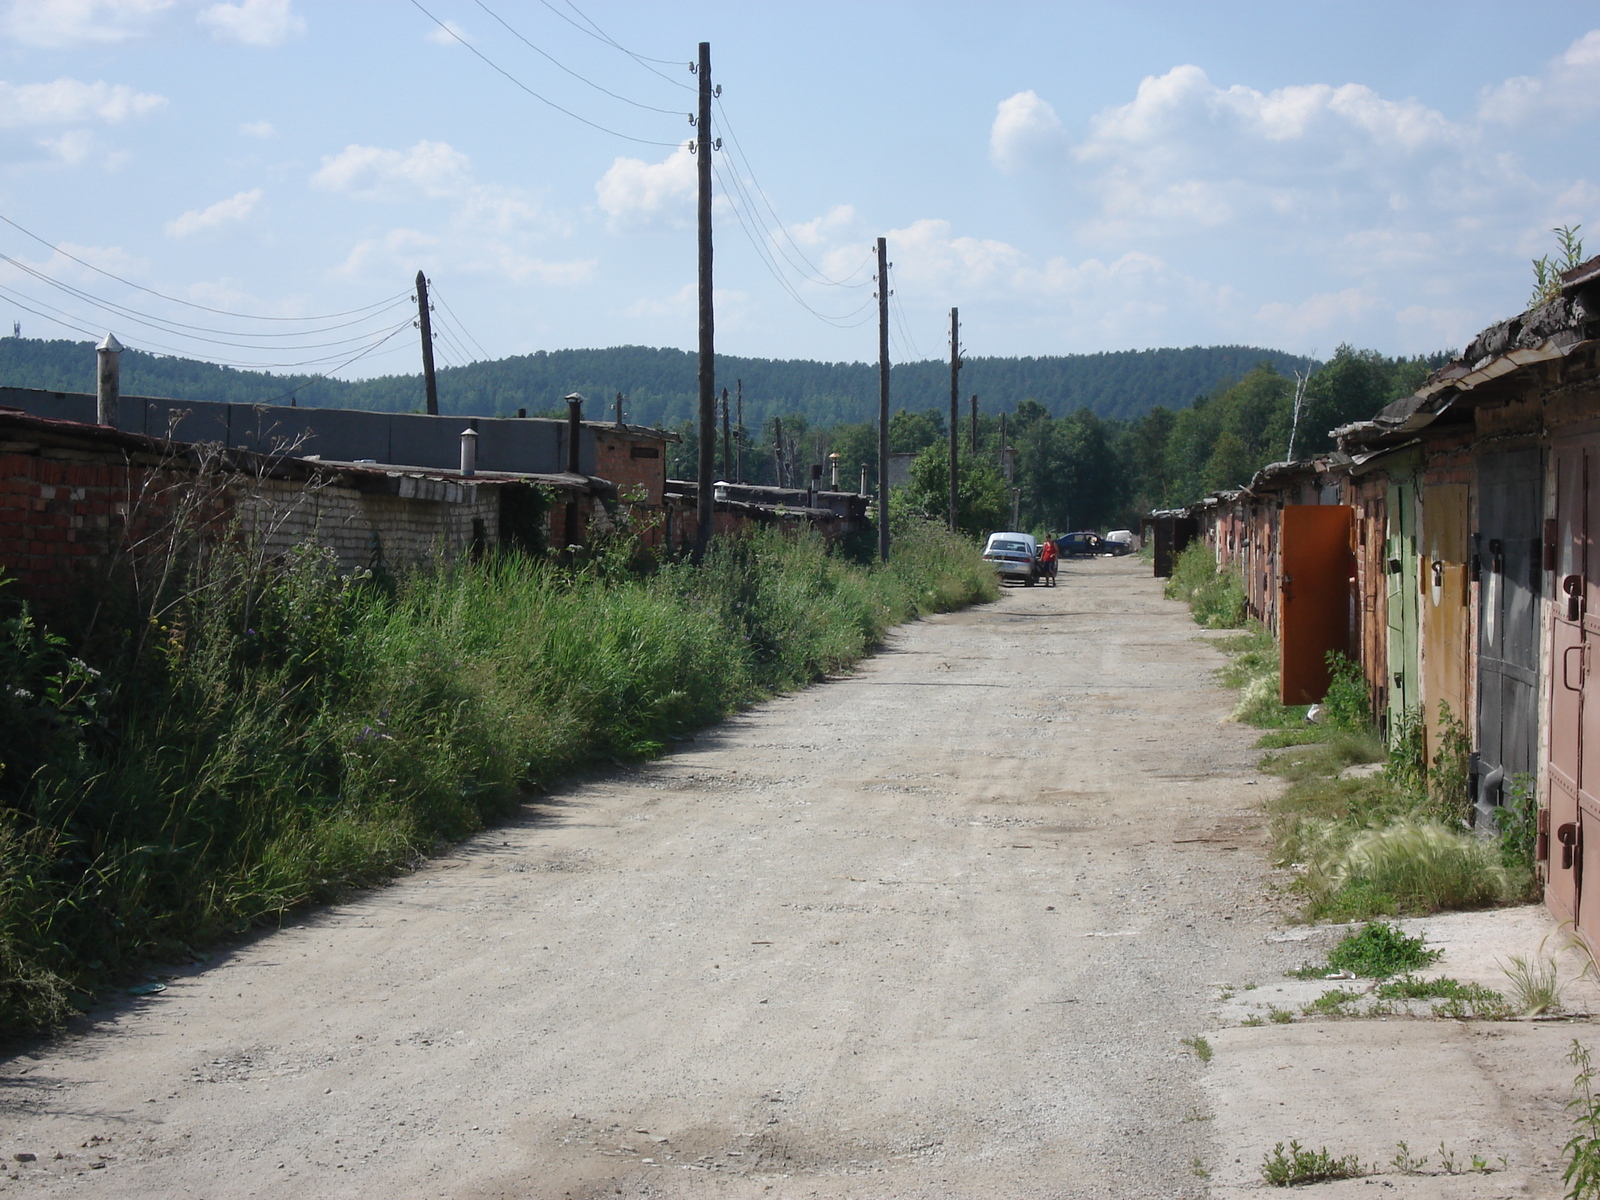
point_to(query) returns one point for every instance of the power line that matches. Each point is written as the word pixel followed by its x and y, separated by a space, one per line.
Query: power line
pixel 197 332
pixel 762 252
pixel 172 328
pixel 341 366
pixel 518 83
pixel 221 312
pixel 460 324
pixel 817 276
pixel 601 35
pixel 671 112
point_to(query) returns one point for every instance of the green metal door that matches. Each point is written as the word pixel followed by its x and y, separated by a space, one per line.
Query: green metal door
pixel 1400 563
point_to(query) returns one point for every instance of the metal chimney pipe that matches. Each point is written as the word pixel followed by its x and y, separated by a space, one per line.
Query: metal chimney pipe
pixel 109 387
pixel 574 426
pixel 469 451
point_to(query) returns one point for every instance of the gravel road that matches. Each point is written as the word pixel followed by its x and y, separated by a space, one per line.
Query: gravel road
pixel 933 929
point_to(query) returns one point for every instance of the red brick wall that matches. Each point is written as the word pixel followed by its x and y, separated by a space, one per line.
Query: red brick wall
pixel 59 520
pixel 614 461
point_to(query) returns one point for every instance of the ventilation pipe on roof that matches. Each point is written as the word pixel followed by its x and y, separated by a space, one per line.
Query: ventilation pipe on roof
pixel 574 424
pixel 109 386
pixel 469 451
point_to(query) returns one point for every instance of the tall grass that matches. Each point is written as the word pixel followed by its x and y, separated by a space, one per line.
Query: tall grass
pixel 1215 595
pixel 1376 845
pixel 281 733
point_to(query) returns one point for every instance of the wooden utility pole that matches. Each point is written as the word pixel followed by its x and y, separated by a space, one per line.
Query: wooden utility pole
pixel 430 388
pixel 727 439
pixel 972 442
pixel 708 364
pixel 883 399
pixel 777 450
pixel 738 444
pixel 955 408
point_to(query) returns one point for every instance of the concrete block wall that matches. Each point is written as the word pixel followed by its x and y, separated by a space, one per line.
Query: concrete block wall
pixel 367 530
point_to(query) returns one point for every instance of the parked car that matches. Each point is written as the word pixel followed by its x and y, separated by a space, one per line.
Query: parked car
pixel 1119 541
pixel 1079 545
pixel 1014 555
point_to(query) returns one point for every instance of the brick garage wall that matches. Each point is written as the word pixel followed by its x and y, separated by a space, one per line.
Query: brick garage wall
pixel 63 518
pixel 364 529
pixel 64 521
pixel 615 461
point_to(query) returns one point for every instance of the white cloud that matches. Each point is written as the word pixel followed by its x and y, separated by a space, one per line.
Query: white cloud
pixel 636 193
pixel 435 169
pixel 1324 314
pixel 450 35
pixel 464 251
pixel 252 22
pixel 1567 88
pixel 70 102
pixel 1026 132
pixel 491 229
pixel 258 129
pixel 70 148
pixel 224 212
pixel 56 23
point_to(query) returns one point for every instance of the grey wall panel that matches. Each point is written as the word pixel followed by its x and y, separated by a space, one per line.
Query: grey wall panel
pixel 342 434
pixel 185 420
pixel 55 406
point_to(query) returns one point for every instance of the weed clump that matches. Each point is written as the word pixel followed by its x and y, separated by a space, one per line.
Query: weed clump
pixel 1299 1165
pixel 1379 950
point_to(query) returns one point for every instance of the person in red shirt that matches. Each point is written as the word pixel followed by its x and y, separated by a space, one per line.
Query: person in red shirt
pixel 1047 560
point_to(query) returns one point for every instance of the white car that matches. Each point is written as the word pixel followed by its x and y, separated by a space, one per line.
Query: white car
pixel 1014 555
pixel 1119 541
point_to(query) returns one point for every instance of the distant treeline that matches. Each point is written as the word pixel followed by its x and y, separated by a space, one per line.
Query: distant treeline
pixel 661 384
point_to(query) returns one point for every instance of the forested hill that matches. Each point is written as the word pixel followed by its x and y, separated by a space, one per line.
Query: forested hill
pixel 660 385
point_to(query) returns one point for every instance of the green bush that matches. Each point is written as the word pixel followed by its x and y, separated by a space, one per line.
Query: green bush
pixel 1347 706
pixel 1215 595
pixel 284 733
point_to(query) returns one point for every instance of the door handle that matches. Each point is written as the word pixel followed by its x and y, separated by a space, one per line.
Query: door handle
pixel 1567 835
pixel 1572 586
pixel 1566 668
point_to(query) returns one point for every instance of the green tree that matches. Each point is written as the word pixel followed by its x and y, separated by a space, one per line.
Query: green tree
pixel 982 503
pixel 910 432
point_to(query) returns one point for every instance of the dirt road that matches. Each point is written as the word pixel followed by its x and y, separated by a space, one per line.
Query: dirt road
pixel 935 929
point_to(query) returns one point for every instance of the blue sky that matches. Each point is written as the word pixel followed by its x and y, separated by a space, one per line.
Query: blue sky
pixel 1075 177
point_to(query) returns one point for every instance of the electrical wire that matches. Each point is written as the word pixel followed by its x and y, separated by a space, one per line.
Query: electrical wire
pixel 900 320
pixel 331 370
pixel 671 112
pixel 460 324
pixel 417 4
pixel 601 35
pixel 840 322
pixel 185 330
pixel 221 312
pixel 817 275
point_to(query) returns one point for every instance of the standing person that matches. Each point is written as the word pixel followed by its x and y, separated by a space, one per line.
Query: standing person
pixel 1047 560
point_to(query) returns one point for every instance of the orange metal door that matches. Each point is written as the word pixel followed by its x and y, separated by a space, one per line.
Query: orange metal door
pixel 1314 618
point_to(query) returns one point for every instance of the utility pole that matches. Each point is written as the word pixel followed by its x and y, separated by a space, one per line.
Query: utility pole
pixel 883 399
pixel 702 147
pixel 777 450
pixel 1003 464
pixel 727 439
pixel 972 445
pixel 738 445
pixel 955 407
pixel 425 322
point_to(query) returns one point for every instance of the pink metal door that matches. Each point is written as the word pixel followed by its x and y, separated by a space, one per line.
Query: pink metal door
pixel 1573 776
